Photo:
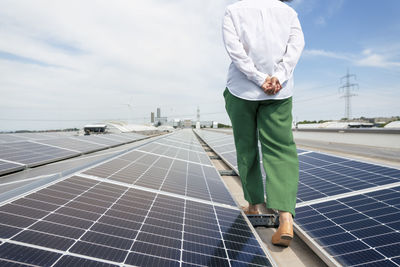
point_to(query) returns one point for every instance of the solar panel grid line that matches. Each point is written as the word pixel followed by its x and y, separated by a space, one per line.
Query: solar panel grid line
pixel 119 157
pixel 248 222
pixel 39 143
pixel 171 139
pixel 96 221
pixel 348 160
pixel 150 190
pixel 61 206
pixel 9 240
pixel 313 167
pixel 155 154
pixel 244 216
pixel 187 149
pixel 184 213
pixel 119 169
pixel 107 140
pixel 145 218
pixel 328 183
pixel 355 180
pixel 224 144
pixel 10 263
pixel 360 239
pixel 345 195
pixel 38 188
pixel 318 250
pixel 88 141
pixel 218 177
pixel 74 144
pixel 63 254
pixel 170 142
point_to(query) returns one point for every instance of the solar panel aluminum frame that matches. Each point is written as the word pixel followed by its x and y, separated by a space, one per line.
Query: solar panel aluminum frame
pixel 15 169
pixel 328 259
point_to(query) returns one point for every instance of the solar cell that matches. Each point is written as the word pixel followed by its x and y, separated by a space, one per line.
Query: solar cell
pixel 361 229
pixel 103 224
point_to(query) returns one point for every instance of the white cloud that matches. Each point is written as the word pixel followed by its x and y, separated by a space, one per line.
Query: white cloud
pixel 371 59
pixel 323 53
pixel 92 56
pixel 367 58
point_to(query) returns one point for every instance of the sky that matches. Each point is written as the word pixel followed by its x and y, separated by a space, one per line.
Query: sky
pixel 69 63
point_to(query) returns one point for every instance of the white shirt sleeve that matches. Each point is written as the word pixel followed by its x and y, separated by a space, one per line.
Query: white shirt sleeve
pixel 294 49
pixel 238 55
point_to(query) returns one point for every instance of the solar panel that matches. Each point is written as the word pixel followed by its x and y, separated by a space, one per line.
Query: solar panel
pixel 33 154
pixel 50 147
pixel 99 140
pixel 89 222
pixel 323 175
pixel 169 169
pixel 7 138
pixel 359 230
pixel 74 144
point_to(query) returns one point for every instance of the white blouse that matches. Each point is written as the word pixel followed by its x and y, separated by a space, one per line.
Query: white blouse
pixel 263 38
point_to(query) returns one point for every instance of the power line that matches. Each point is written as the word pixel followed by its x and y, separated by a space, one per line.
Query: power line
pixel 313 98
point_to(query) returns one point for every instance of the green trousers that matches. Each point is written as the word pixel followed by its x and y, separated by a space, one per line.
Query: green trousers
pixel 269 121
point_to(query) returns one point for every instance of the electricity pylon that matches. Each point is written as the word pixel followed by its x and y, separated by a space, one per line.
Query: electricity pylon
pixel 347 89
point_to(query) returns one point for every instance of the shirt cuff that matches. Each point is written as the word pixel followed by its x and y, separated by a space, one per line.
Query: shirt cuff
pixel 260 78
pixel 280 76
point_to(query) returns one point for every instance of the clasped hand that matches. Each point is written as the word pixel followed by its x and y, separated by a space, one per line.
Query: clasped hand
pixel 271 86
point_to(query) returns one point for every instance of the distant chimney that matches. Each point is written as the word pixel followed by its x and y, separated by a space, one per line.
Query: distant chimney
pixel 158 113
pixel 152 117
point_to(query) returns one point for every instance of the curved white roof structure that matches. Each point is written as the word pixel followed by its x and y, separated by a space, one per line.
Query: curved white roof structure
pixel 393 125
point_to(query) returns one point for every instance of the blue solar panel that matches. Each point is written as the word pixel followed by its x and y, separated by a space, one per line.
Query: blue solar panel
pixel 46 148
pixel 98 223
pixel 170 169
pixel 323 175
pixel 361 229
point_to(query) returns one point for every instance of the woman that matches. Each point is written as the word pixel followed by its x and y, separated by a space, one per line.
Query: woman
pixel 264 40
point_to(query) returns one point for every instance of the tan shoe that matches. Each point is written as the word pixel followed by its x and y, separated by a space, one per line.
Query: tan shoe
pixel 247 212
pixel 283 235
